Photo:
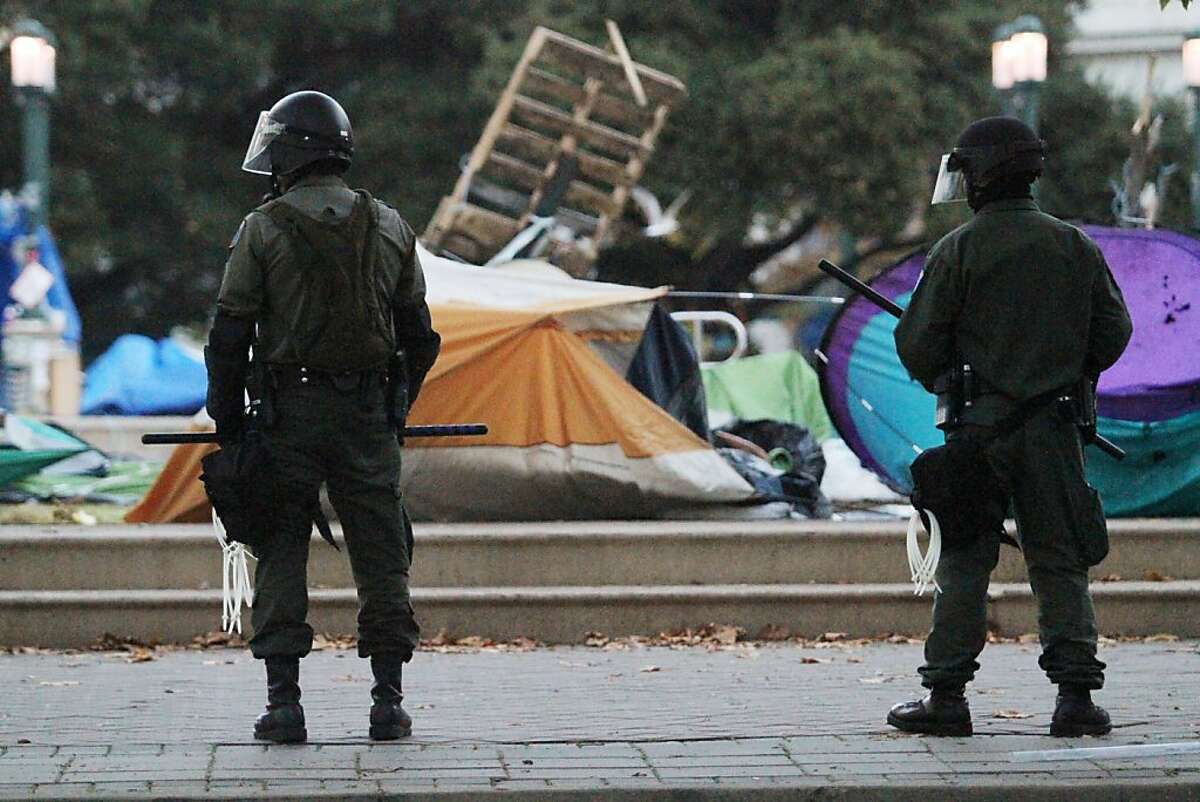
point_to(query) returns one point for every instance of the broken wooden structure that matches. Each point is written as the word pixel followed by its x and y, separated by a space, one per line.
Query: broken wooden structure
pixel 570 136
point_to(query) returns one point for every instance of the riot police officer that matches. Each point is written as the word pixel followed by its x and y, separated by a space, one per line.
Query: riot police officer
pixel 1030 304
pixel 324 283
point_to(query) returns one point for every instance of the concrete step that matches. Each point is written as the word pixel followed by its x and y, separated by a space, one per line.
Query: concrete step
pixel 593 553
pixel 566 614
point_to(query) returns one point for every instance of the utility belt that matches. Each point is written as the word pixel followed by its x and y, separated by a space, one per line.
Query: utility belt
pixel 957 390
pixel 390 380
pixel 345 382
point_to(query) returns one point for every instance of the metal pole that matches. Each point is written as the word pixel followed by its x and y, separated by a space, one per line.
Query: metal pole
pixel 1196 158
pixel 1027 96
pixel 35 105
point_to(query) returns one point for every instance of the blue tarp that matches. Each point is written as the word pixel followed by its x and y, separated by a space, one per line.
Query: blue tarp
pixel 138 376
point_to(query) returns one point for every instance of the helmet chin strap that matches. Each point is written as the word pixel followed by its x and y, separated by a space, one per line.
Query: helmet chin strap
pixel 276 190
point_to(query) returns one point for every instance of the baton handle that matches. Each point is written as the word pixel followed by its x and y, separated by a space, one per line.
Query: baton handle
pixel 871 294
pixel 436 430
pixel 1108 447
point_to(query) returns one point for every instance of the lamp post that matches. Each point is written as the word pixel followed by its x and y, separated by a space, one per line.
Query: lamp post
pixel 32 49
pixel 1002 66
pixel 1029 49
pixel 1191 76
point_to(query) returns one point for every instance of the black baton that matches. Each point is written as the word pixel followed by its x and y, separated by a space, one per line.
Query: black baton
pixel 436 430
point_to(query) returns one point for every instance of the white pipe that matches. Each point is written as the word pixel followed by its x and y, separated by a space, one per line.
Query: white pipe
pixel 714 316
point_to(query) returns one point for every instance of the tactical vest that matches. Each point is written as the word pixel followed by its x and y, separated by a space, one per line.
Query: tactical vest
pixel 344 320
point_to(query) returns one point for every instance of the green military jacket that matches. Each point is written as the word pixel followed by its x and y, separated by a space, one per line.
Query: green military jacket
pixel 1025 298
pixel 263 275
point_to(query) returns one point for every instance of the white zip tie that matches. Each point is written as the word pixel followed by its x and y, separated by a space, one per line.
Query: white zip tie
pixel 236 587
pixel 923 567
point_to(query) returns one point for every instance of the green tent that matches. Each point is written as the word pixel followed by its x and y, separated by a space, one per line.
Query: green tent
pixel 27 446
pixel 778 386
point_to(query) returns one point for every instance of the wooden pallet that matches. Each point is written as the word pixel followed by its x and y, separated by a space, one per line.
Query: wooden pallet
pixel 566 100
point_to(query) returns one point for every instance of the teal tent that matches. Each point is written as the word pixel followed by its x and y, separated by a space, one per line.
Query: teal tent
pixel 28 445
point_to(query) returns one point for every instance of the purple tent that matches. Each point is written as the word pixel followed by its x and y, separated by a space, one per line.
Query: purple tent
pixel 1149 401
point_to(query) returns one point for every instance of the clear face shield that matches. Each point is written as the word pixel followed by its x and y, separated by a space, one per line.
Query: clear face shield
pixel 265 132
pixel 951 184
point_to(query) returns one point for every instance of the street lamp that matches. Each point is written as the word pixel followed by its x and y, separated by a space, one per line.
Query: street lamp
pixel 1002 66
pixel 1191 76
pixel 32 49
pixel 1029 50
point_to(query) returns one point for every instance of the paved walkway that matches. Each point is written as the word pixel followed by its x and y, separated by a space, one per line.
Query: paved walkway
pixel 749 722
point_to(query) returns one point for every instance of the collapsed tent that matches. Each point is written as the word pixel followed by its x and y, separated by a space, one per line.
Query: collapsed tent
pixel 541 358
pixel 1149 402
pixel 27 446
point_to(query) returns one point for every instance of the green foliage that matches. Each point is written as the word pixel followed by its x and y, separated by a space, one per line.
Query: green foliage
pixel 1165 3
pixel 797 109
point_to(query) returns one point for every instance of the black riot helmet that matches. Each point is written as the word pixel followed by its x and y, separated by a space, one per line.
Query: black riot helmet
pixel 300 129
pixel 989 152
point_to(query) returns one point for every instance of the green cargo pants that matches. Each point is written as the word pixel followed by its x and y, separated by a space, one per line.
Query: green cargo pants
pixel 340 436
pixel 1041 468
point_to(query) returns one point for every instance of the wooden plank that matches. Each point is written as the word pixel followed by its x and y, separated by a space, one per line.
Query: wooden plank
pixel 489 229
pixel 610 107
pixel 582 58
pixel 534 112
pixel 634 168
pixel 631 76
pixel 587 197
pixel 534 148
pixel 598 168
pixel 501 113
pixel 512 171
pixel 528 145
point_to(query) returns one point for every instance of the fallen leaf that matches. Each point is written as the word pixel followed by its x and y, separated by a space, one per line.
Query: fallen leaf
pixel 773 632
pixel 441 639
pixel 323 641
pixel 1011 714
pixel 595 639
pixel 1110 578
pixel 832 637
pixel 1161 637
pixel 1028 637
pixel 727 635
pixel 140 655
pixel 649 669
pixel 811 661
pixel 1155 576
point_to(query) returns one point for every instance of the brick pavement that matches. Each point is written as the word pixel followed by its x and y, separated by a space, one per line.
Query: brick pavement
pixel 765 722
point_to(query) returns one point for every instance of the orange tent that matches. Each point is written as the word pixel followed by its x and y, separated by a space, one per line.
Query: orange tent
pixel 540 358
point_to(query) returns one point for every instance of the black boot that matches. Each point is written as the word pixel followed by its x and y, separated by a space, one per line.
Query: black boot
pixel 1075 714
pixel 283 722
pixel 388 719
pixel 942 712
